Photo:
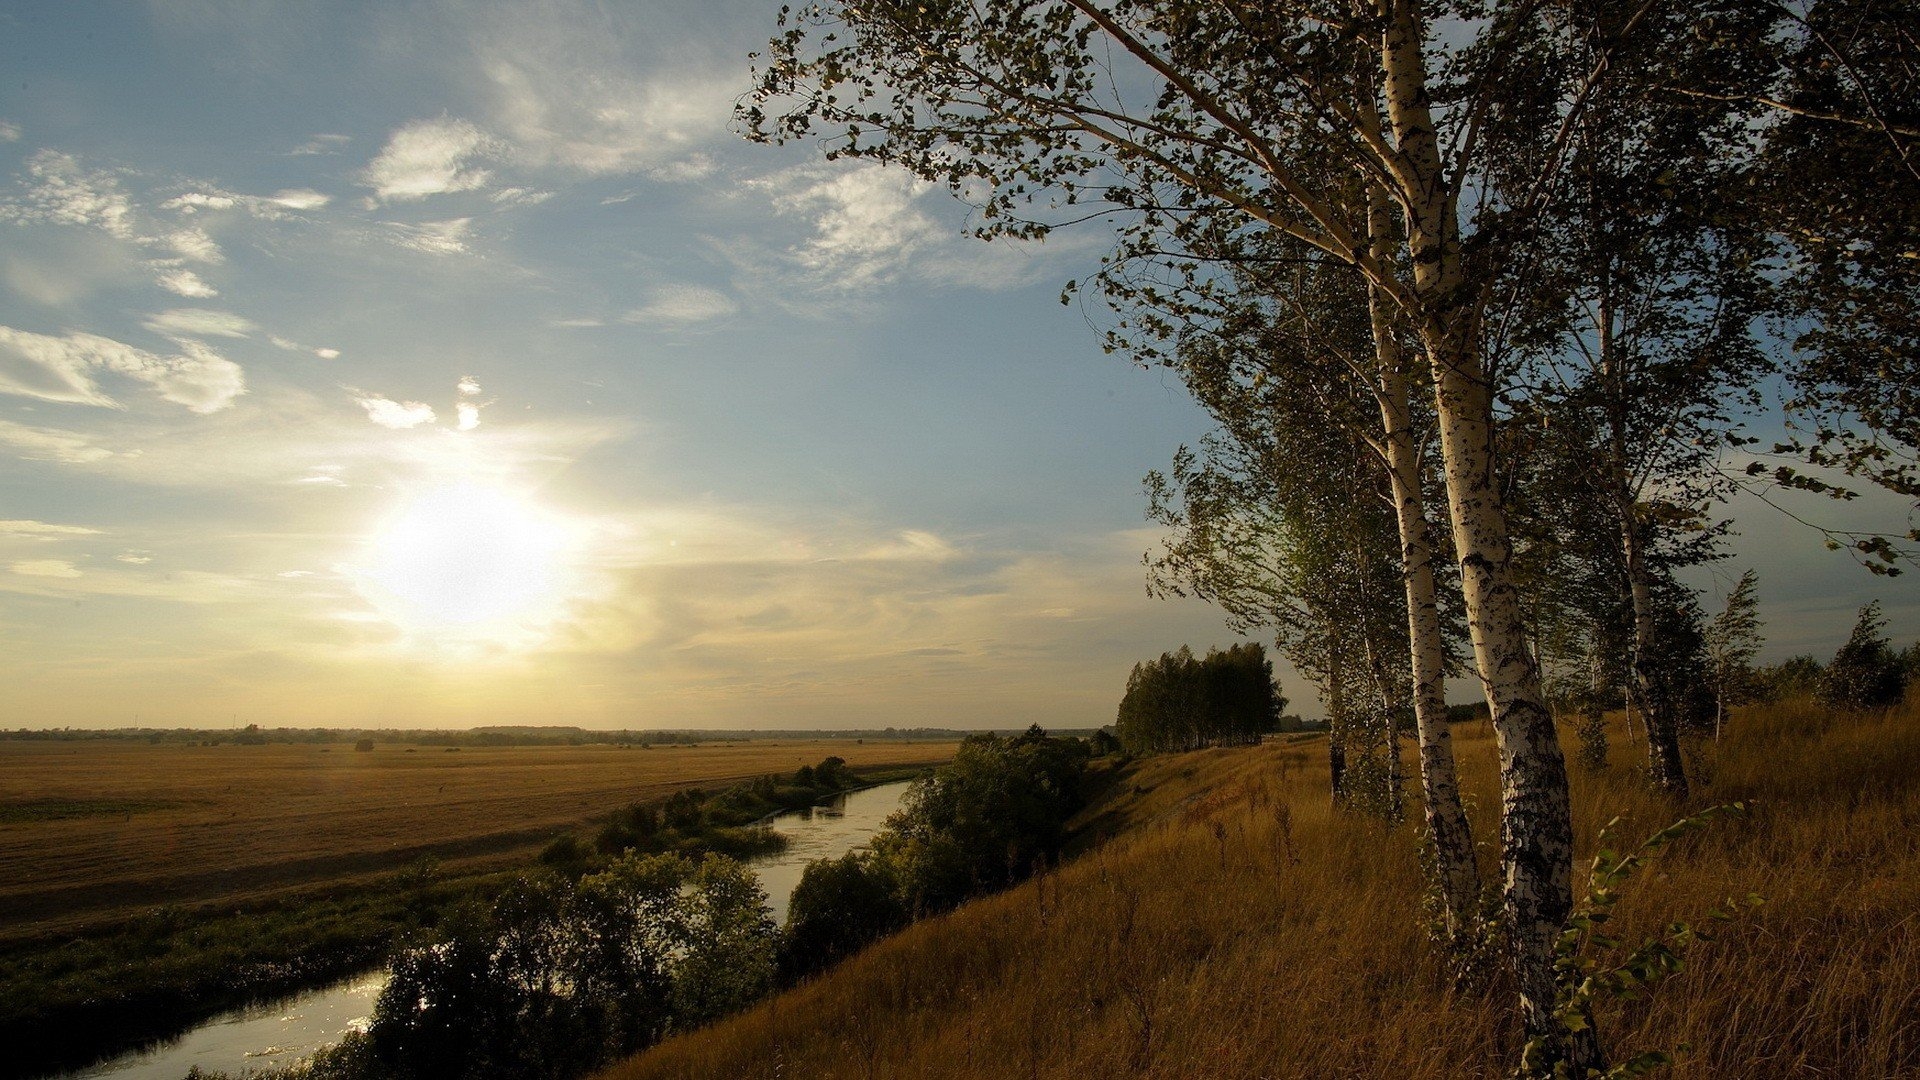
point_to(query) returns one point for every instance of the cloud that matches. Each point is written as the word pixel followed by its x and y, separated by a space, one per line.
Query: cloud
pixel 199 322
pixel 64 193
pixel 300 199
pixel 867 225
pixel 133 558
pixel 49 444
pixel 468 386
pixel 9 131
pixel 53 568
pixel 433 237
pixel 42 529
pixel 429 157
pixel 192 244
pixel 188 284
pixel 519 196
pixel 327 354
pixel 322 144
pixel 682 304
pixel 200 200
pixel 469 414
pixel 396 415
pixel 62 368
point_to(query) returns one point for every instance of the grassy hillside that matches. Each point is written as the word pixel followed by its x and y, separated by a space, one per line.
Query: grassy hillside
pixel 1237 926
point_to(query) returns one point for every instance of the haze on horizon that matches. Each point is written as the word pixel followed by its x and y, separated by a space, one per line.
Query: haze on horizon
pixel 447 365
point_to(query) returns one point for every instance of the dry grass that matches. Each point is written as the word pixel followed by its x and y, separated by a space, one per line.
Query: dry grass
pixel 101 829
pixel 1240 927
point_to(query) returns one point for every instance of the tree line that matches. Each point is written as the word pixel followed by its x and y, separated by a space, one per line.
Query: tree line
pixel 1181 703
pixel 1482 298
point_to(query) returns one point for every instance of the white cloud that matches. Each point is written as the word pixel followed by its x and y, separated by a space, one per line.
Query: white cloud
pixel 9 131
pixel 468 386
pixel 429 157
pixel 327 354
pixel 49 444
pixel 867 225
pixel 63 193
pixel 469 415
pixel 577 324
pixel 322 144
pixel 192 244
pixel 53 568
pixel 199 322
pixel 682 304
pixel 396 415
pixel 300 199
pixel 133 558
pixel 62 368
pixel 200 200
pixel 42 529
pixel 188 284
pixel 695 166
pixel 433 237
pixel 519 196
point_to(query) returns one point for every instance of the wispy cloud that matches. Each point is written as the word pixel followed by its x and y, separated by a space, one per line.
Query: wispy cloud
pixel 43 529
pixel 199 322
pixel 429 157
pixel 9 131
pixel 300 199
pixel 63 367
pixel 51 444
pixel 322 144
pixel 682 304
pixel 49 568
pixel 432 237
pixel 188 284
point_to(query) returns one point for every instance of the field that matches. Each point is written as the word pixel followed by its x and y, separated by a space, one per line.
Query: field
pixel 94 831
pixel 1237 925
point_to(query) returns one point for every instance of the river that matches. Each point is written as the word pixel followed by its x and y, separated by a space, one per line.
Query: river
pixel 275 1034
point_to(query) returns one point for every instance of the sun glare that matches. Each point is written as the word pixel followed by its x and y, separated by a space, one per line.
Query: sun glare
pixel 467 562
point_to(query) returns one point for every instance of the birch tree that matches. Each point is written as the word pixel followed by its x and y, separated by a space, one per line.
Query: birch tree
pixel 1232 111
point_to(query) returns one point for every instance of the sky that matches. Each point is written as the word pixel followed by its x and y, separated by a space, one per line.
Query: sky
pixel 446 364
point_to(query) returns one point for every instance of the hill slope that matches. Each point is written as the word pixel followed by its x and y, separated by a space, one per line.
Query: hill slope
pixel 1238 926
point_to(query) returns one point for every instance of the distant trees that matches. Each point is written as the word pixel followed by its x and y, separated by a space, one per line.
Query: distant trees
pixel 1866 673
pixel 1181 703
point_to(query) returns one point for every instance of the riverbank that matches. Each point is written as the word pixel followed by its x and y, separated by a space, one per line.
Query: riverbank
pixel 1236 924
pixel 69 1000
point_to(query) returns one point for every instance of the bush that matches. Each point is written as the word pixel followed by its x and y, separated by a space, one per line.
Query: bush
pixel 363 745
pixel 839 907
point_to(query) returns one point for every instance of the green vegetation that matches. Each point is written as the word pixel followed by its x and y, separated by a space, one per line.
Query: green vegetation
pixel 1180 703
pixel 556 976
pixel 994 815
pixel 148 977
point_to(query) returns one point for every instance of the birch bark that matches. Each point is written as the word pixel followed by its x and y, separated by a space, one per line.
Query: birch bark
pixel 1536 822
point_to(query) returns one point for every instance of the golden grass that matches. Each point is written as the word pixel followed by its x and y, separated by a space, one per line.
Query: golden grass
pixel 1240 927
pixel 107 828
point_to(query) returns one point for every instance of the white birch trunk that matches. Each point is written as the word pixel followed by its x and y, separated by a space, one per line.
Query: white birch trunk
pixel 1536 821
pixel 1457 874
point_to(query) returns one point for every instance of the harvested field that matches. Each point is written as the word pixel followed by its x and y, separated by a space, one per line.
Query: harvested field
pixel 98 830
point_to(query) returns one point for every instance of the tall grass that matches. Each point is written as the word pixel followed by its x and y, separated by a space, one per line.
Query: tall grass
pixel 1238 926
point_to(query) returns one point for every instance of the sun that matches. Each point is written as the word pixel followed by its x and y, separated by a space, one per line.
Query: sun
pixel 468 562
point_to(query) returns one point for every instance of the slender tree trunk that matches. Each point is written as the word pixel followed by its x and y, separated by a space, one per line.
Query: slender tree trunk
pixel 1336 717
pixel 1389 727
pixel 1536 821
pixel 1663 737
pixel 1457 874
